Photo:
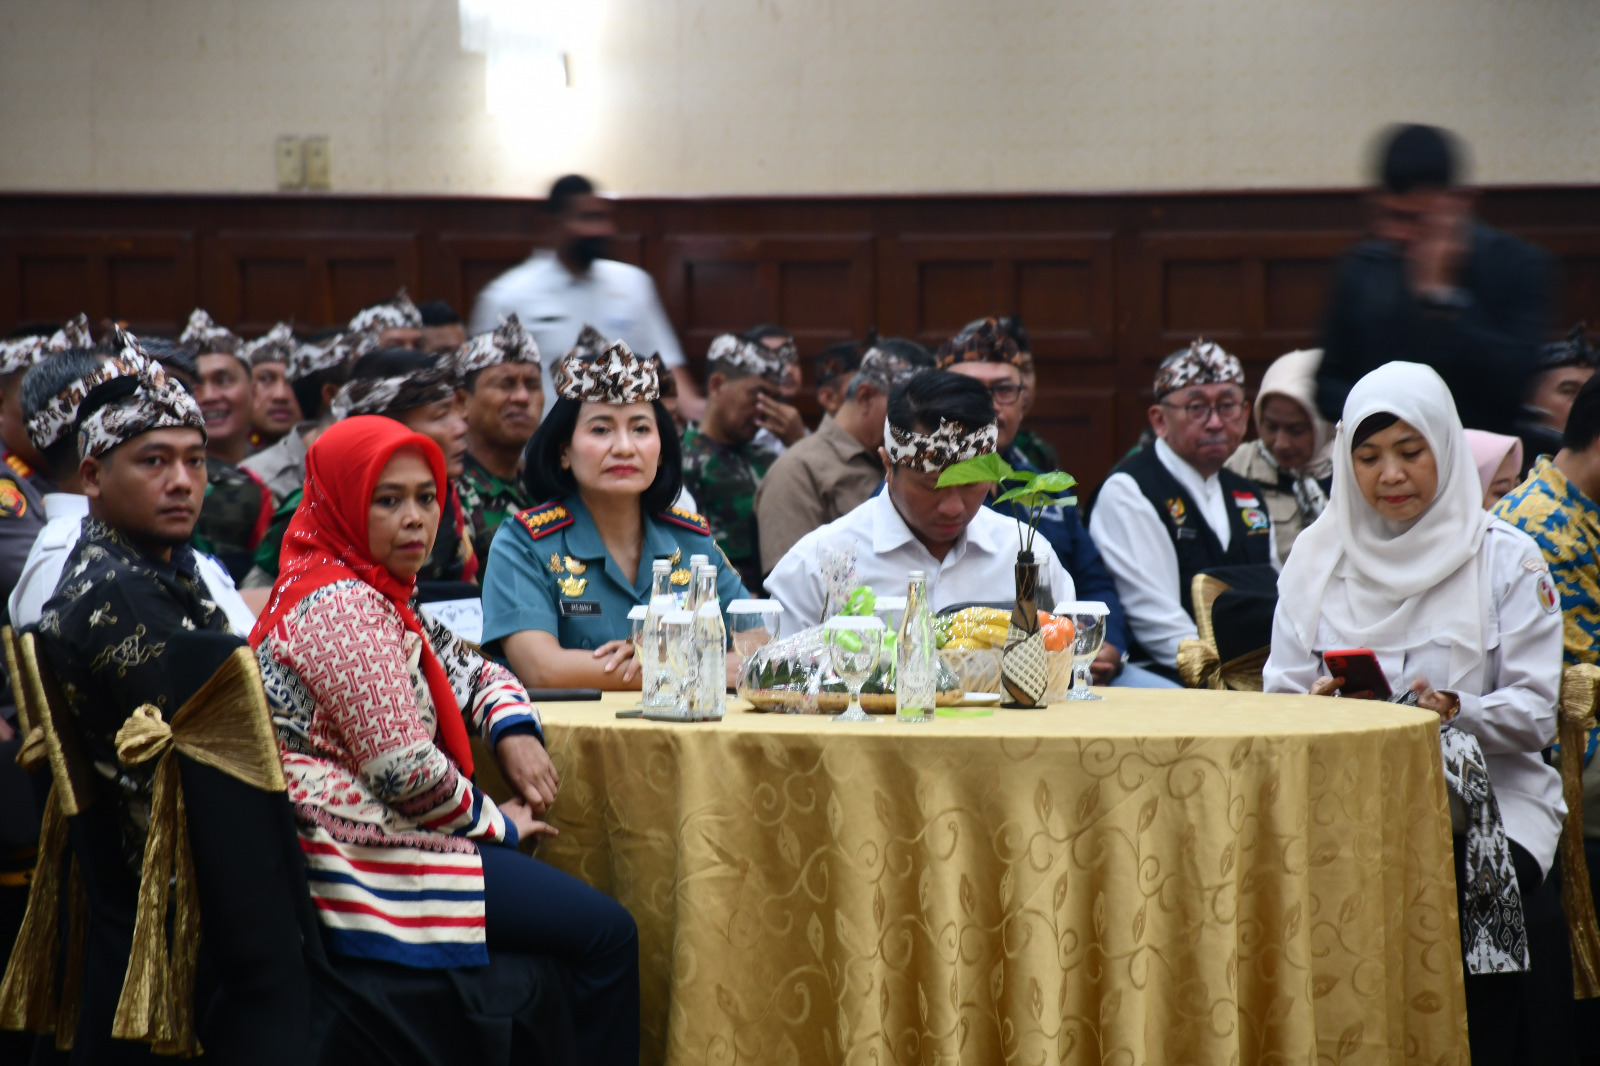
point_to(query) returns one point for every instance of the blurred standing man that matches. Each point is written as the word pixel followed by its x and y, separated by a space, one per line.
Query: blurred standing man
pixel 501 380
pixel 559 290
pixel 1433 285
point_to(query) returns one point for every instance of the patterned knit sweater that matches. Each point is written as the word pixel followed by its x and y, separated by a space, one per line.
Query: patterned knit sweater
pixel 389 827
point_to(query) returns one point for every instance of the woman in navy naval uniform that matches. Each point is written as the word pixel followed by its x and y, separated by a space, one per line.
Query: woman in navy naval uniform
pixel 566 573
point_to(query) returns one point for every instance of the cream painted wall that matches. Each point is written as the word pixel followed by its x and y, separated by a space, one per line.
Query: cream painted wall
pixel 698 97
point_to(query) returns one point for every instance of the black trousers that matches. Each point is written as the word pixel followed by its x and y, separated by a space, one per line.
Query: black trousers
pixel 253 993
pixel 1525 1017
pixel 534 908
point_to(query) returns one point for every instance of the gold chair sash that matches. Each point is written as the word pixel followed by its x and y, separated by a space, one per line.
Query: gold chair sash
pixel 1199 665
pixel 226 725
pixel 28 997
pixel 1580 688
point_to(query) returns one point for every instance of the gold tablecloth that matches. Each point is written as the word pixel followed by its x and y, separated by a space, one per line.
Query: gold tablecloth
pixel 1162 877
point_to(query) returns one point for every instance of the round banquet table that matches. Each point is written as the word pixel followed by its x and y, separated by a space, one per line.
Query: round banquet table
pixel 1160 877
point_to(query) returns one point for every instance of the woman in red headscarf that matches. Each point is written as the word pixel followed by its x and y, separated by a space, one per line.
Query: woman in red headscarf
pixel 407 860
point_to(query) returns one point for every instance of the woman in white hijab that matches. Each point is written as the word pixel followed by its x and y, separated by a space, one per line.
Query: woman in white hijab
pixel 1460 610
pixel 1291 461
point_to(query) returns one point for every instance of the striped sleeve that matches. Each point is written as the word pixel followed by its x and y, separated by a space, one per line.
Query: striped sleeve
pixel 490 696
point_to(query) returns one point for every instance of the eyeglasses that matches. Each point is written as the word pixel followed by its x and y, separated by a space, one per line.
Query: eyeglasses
pixel 1200 411
pixel 1005 393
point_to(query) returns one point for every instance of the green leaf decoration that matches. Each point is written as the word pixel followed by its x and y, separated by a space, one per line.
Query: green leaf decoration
pixel 1014 494
pixel 977 470
pixel 1055 481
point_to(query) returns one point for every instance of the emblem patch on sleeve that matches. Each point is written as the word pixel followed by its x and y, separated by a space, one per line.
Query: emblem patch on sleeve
pixel 13 504
pixel 1548 598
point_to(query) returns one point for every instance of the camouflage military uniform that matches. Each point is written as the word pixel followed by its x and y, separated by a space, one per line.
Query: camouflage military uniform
pixel 486 500
pixel 452 558
pixel 723 479
pixel 233 517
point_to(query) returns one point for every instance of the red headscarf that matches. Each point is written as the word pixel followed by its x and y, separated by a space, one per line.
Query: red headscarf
pixel 327 541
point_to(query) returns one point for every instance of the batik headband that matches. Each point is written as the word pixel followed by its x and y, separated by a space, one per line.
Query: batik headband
pixel 275 346
pixel 207 336
pixel 591 344
pixel 1571 350
pixel 667 383
pixel 390 396
pixel 616 377
pixel 1201 363
pixel 153 401
pixel 509 343
pixel 930 453
pixel 884 370
pixel 309 358
pixel 52 421
pixel 398 313
pixel 23 352
pixel 988 343
pixel 752 357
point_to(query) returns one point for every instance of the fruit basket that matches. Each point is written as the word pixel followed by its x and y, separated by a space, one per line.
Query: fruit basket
pixel 792 676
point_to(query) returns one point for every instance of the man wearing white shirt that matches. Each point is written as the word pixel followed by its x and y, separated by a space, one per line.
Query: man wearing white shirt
pixel 50 393
pixel 1171 511
pixel 968 551
pixel 557 292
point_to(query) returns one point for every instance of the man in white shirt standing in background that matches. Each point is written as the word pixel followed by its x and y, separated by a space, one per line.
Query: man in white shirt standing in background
pixel 1171 510
pixel 969 552
pixel 561 289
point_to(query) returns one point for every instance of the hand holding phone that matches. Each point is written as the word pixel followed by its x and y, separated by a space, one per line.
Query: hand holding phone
pixel 1363 677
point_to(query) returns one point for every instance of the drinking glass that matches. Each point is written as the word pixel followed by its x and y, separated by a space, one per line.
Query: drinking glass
pixel 751 624
pixel 636 620
pixel 677 633
pixel 854 645
pixel 1088 618
pixel 838 564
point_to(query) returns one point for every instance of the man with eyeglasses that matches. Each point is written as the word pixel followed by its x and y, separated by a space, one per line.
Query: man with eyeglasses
pixel 1171 510
pixel 988 351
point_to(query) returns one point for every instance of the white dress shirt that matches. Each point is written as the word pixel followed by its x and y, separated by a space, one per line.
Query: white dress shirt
pixel 1508 699
pixel 41 573
pixel 554 305
pixel 1138 551
pixel 978 568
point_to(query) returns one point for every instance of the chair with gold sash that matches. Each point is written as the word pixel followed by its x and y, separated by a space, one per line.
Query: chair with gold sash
pixel 28 993
pixel 1233 614
pixel 1580 690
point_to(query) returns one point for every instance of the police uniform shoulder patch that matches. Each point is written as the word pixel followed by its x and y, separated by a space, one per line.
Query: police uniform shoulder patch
pixel 687 519
pixel 13 504
pixel 544 519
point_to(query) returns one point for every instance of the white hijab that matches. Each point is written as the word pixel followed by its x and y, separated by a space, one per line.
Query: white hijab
pixel 1390 586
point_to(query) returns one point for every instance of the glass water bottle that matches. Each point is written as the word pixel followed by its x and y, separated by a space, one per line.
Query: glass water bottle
pixel 655 672
pixel 916 656
pixel 711 647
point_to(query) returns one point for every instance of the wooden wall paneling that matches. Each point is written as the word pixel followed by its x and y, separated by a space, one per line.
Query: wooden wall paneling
pixel 311 279
pixel 1081 423
pixel 1257 294
pixel 1062 284
pixel 139 276
pixel 466 262
pixel 820 287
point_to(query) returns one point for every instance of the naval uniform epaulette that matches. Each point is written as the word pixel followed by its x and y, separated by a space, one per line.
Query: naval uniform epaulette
pixel 544 519
pixel 687 519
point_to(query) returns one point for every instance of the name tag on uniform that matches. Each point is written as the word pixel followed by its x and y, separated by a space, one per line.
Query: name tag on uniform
pixel 1187 533
pixel 580 608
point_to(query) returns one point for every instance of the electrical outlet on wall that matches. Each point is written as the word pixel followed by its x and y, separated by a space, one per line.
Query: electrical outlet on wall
pixel 319 163
pixel 291 163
